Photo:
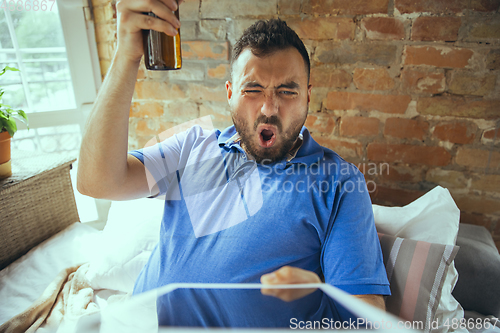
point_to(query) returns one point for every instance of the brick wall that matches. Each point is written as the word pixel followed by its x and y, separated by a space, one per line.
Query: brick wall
pixel 407 90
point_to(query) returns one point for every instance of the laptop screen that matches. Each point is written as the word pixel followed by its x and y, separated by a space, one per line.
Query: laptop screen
pixel 252 308
pixel 239 306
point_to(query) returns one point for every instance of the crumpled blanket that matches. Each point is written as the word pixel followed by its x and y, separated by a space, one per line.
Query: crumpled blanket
pixel 69 295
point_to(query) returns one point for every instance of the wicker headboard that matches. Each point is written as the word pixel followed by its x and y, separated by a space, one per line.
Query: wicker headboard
pixel 36 202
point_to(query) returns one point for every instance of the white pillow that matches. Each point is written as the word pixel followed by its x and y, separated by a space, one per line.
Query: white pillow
pixel 432 218
pixel 131 232
pixel 23 281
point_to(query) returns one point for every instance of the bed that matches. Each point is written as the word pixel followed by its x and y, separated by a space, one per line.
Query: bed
pixel 80 270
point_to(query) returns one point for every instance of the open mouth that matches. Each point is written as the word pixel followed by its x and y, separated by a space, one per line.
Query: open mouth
pixel 267 137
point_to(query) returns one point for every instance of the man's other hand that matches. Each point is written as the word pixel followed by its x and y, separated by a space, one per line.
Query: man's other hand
pixel 294 275
pixel 289 275
pixel 375 300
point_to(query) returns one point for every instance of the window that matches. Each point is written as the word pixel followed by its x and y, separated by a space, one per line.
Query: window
pixel 53 45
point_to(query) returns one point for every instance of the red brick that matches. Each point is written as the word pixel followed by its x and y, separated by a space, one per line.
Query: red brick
pixel 483 5
pixel 181 111
pixel 359 126
pixel 376 53
pixel 336 28
pixel 436 28
pixel 318 95
pixel 478 158
pixel 477 204
pixel 105 32
pixel 493 60
pixel 343 148
pixel 320 123
pixel 484 29
pixel 345 7
pixel 406 128
pixel 383 28
pixel 158 90
pixel 146 110
pixel 141 73
pixel 367 102
pixel 387 196
pixel 454 132
pixel 105 13
pixel 97 3
pixel 443 7
pixel 106 50
pixel 138 142
pixel 189 10
pixel 490 134
pixel 199 50
pixel 439 56
pixel 191 71
pixel 369 178
pixel 374 169
pixel 421 81
pixel 372 79
pixel 218 71
pixel 223 9
pixel 402 173
pixel 459 107
pixel 324 76
pixel 220 115
pixel 215 30
pixel 467 83
pixel 447 178
pixel 408 154
pixel 104 65
pixel 207 92
pixel 476 219
pixel 487 183
pixel 289 7
pixel 151 127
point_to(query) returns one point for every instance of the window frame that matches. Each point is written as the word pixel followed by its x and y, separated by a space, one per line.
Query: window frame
pixel 83 60
pixel 81 47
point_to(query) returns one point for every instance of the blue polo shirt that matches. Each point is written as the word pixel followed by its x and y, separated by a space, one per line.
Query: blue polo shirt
pixel 228 219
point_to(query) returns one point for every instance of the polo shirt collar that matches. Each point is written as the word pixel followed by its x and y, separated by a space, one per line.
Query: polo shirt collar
pixel 309 152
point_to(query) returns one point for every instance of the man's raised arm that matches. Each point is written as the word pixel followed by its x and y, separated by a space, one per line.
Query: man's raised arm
pixel 105 170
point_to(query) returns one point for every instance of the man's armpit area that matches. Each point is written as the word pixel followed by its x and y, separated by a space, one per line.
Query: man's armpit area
pixel 140 178
pixel 375 300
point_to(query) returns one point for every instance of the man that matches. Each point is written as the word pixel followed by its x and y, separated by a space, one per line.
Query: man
pixel 260 200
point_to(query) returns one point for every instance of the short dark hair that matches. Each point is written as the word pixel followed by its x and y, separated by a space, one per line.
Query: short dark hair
pixel 266 37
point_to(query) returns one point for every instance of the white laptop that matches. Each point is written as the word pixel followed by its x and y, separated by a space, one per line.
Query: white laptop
pixel 193 307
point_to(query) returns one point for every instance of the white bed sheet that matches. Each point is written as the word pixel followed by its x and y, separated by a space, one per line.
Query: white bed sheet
pixel 22 282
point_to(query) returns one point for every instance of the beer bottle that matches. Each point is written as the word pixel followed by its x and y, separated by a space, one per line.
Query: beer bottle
pixel 161 51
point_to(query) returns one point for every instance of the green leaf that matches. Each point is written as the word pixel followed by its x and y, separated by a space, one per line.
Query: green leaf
pixel 3 124
pixel 7 114
pixel 25 121
pixel 22 114
pixel 6 68
pixel 11 126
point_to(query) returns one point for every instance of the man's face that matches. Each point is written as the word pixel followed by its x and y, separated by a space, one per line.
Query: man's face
pixel 269 98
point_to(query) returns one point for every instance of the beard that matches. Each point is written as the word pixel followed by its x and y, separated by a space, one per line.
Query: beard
pixel 284 142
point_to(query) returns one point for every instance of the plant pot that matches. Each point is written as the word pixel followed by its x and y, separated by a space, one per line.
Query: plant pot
pixel 5 167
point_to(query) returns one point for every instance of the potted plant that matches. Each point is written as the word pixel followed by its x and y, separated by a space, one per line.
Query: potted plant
pixel 7 129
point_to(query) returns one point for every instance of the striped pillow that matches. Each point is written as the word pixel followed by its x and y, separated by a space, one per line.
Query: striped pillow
pixel 416 271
